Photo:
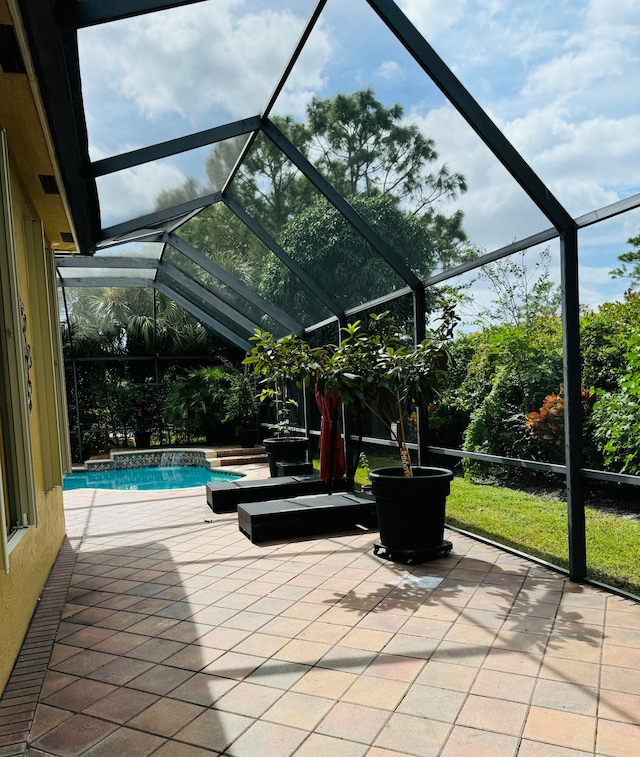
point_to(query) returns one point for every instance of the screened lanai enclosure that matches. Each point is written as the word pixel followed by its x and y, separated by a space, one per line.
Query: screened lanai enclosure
pixel 296 166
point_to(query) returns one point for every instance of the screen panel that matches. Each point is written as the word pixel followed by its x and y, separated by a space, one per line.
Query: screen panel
pixel 162 75
pixel 560 82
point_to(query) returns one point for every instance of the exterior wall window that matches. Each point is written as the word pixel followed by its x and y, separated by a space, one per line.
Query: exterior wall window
pixel 16 461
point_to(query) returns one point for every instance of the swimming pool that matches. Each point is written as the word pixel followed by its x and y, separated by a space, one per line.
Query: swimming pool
pixel 160 477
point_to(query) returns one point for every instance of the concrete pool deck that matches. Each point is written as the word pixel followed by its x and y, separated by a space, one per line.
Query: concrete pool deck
pixel 163 631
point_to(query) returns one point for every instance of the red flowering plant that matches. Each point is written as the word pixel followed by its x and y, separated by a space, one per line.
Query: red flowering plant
pixel 138 406
pixel 547 425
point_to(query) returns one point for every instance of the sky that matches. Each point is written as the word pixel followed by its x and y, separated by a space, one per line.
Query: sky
pixel 558 77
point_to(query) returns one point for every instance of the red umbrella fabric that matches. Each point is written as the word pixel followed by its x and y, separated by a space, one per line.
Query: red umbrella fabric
pixel 331 445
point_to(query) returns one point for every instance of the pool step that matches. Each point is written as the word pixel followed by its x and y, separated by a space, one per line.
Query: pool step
pixel 218 462
pixel 258 449
pixel 223 456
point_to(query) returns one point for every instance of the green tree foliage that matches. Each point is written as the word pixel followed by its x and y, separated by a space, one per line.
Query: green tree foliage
pixel 198 401
pixel 366 148
pixel 611 363
pixel 630 267
pixel 367 152
pixel 328 248
pixel 616 421
pixel 220 235
pixel 506 369
pixel 604 340
pixel 510 375
pixel 268 185
pixel 119 323
pixel 509 372
pixel 522 292
pixel 112 321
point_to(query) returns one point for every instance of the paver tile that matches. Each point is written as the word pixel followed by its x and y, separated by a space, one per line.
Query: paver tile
pixel 182 641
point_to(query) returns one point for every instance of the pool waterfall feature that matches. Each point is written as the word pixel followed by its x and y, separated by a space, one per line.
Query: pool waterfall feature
pixel 121 459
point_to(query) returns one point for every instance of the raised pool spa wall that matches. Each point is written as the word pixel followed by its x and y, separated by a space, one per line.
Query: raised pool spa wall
pixel 122 459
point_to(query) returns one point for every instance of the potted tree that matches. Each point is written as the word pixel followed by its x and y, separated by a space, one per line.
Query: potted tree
pixel 137 405
pixel 277 362
pixel 240 409
pixel 378 368
pixel 392 377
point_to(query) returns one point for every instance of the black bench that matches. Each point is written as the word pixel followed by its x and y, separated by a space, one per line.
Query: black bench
pixel 225 496
pixel 293 468
pixel 306 516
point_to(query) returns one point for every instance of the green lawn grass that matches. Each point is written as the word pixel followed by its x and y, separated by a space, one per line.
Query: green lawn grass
pixel 538 526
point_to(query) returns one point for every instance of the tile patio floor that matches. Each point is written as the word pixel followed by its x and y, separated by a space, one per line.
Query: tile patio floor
pixel 176 637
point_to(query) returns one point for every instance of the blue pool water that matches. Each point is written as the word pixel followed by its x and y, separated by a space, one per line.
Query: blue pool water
pixel 163 477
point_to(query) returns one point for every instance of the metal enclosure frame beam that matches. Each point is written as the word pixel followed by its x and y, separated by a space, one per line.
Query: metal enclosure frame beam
pixel 573 404
pixel 142 235
pixel 470 110
pixel 198 313
pixel 108 261
pixel 215 303
pixel 315 16
pixel 491 257
pixel 104 281
pixel 419 333
pixel 385 251
pixel 234 284
pixel 609 211
pixel 152 219
pixel 357 309
pixel 313 286
pixel 92 12
pixel 162 150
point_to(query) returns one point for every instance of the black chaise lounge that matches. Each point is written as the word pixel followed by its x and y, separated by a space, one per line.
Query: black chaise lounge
pixel 224 497
pixel 306 516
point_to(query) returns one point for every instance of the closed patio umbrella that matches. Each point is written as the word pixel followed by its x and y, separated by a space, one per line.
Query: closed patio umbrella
pixel 332 461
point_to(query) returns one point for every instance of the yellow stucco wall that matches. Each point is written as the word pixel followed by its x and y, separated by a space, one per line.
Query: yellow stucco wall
pixel 33 556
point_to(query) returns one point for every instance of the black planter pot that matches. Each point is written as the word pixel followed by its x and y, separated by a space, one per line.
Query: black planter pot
pixel 285 448
pixel 220 433
pixel 143 439
pixel 247 437
pixel 411 512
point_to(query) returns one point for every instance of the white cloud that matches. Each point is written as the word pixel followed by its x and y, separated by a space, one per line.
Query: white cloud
pixel 129 194
pixel 586 164
pixel 307 77
pixel 560 82
pixel 595 64
pixel 496 210
pixel 433 16
pixel 208 59
pixel 166 74
pixel 390 69
pixel 597 287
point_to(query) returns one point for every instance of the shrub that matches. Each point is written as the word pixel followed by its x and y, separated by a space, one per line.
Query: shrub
pixel 139 405
pixel 616 421
pixel 197 400
pixel 496 427
pixel 616 431
pixel 512 370
pixel 605 338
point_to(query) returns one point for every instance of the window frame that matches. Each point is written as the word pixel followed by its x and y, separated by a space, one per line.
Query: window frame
pixel 18 488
